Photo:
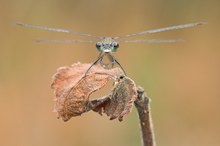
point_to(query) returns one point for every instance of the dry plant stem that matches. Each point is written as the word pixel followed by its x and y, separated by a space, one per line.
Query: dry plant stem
pixel 143 109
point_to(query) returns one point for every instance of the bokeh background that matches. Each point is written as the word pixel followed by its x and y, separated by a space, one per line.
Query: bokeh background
pixel 182 79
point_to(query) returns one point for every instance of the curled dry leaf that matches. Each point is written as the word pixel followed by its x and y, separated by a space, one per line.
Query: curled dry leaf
pixel 120 101
pixel 72 88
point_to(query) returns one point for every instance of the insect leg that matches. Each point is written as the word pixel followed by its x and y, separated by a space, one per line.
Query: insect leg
pixel 114 60
pixel 101 55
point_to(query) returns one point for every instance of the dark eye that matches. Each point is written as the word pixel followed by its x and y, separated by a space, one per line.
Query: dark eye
pixel 98 46
pixel 115 45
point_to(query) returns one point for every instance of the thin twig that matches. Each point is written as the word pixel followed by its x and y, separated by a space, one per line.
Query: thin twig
pixel 143 109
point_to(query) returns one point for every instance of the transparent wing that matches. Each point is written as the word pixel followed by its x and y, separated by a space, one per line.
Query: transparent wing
pixel 63 41
pixel 154 41
pixel 162 29
pixel 57 30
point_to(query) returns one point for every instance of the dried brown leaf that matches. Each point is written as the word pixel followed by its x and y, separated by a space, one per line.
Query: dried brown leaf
pixel 72 88
pixel 121 99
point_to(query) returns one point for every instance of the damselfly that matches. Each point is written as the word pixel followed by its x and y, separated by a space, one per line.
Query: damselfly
pixel 108 44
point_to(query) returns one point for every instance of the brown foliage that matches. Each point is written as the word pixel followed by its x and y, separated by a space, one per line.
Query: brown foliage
pixel 121 98
pixel 72 90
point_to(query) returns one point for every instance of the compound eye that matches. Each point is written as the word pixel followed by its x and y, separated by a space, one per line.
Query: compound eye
pixel 98 46
pixel 115 45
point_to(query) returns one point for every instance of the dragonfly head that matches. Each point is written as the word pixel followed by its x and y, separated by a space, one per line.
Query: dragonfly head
pixel 107 45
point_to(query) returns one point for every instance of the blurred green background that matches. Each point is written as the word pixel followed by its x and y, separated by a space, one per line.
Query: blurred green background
pixel 182 79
